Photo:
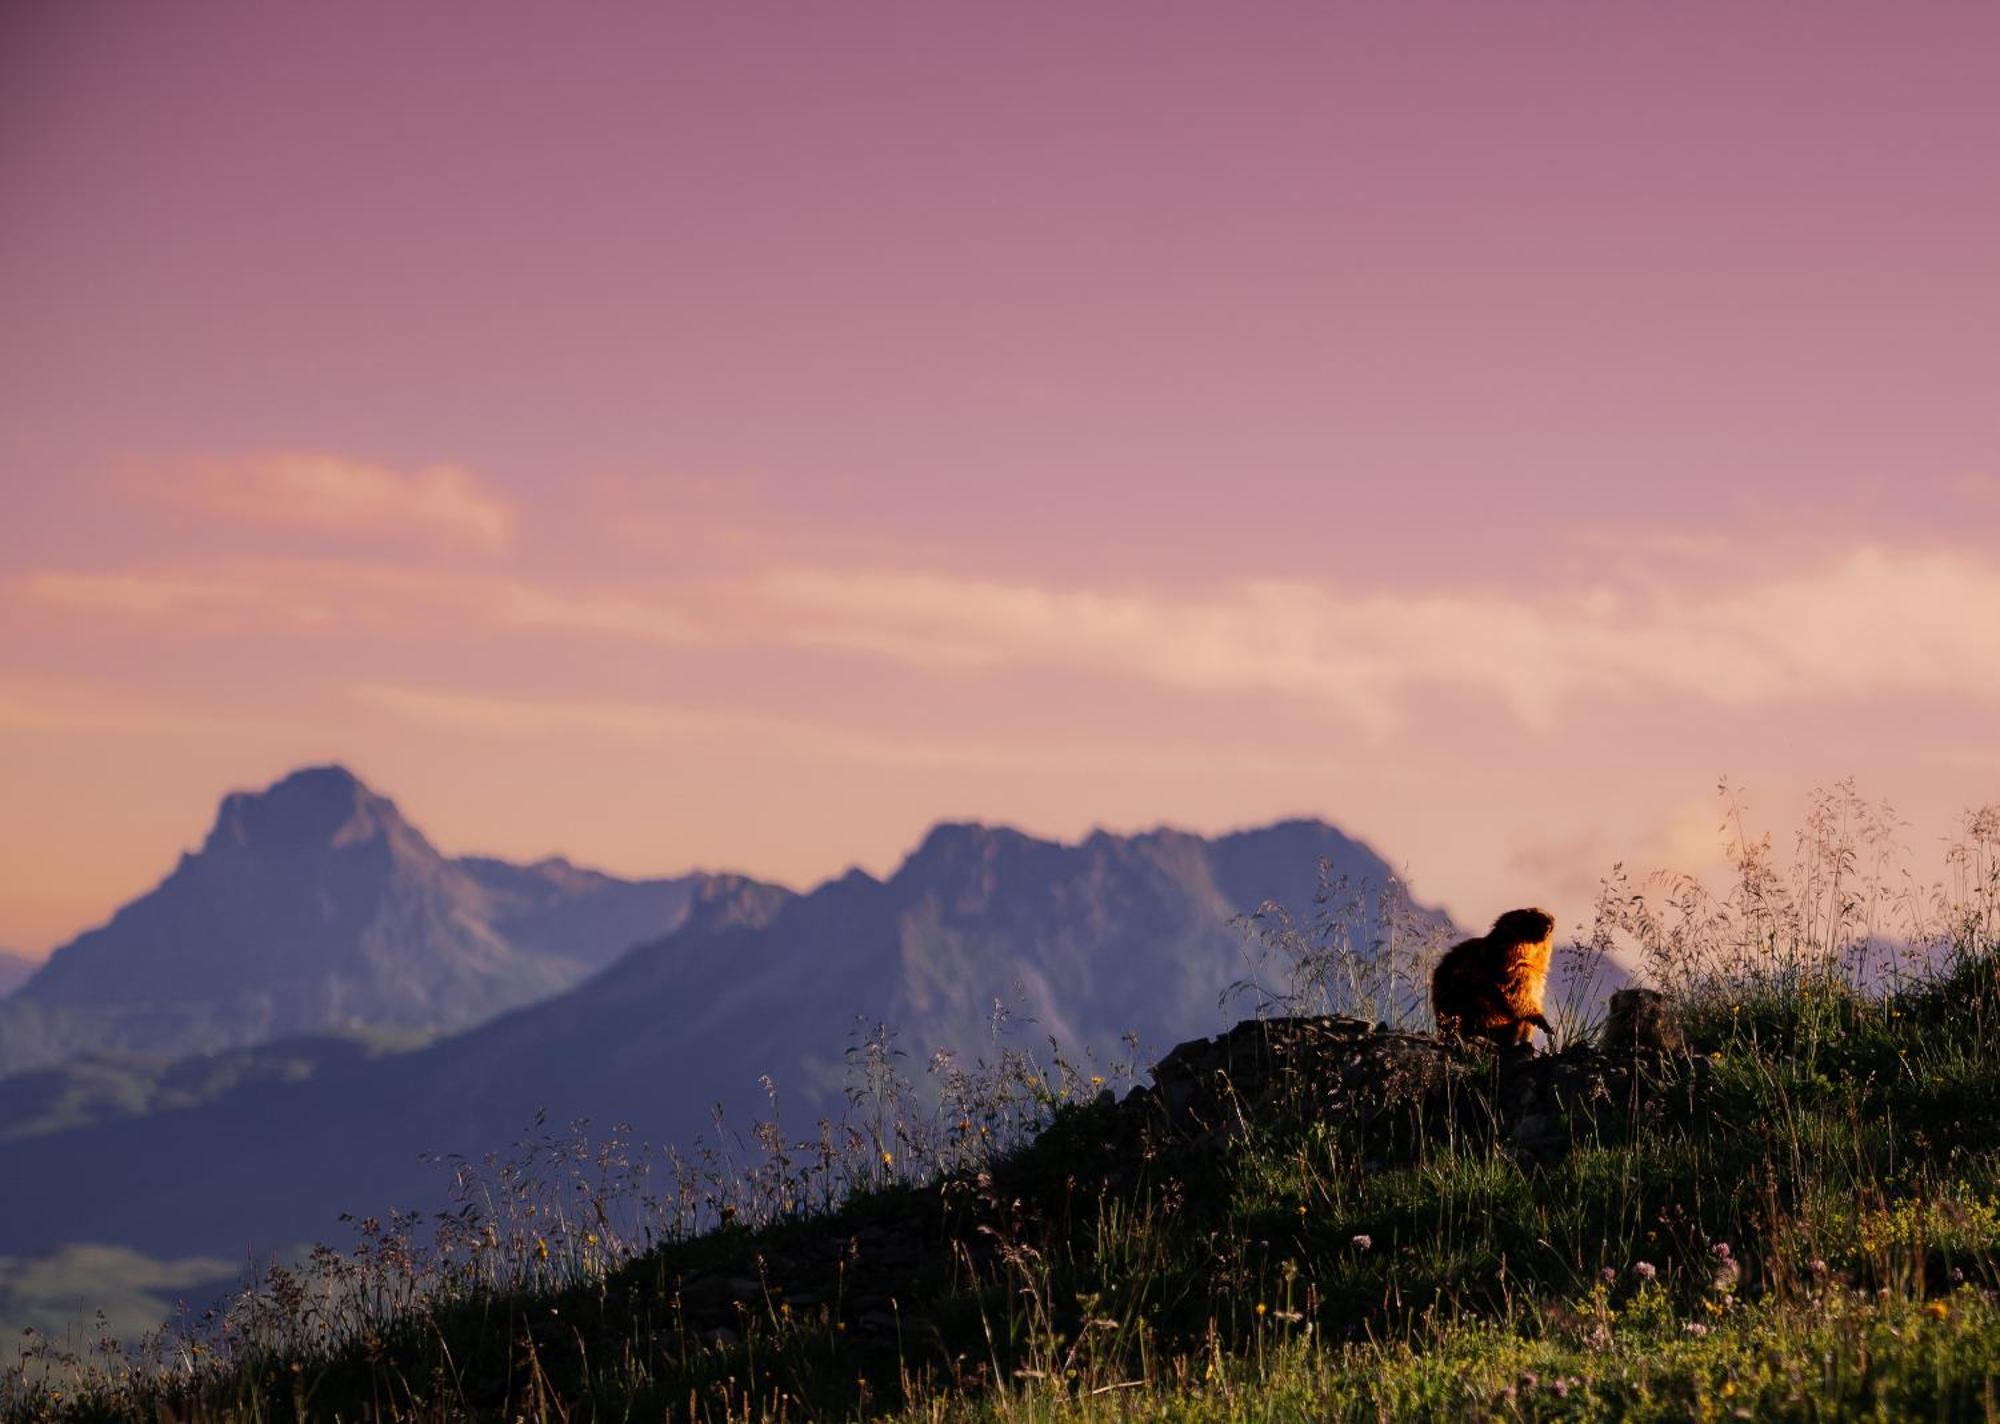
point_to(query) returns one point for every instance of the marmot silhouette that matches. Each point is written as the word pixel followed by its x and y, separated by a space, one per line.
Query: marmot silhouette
pixel 1491 987
pixel 1640 1021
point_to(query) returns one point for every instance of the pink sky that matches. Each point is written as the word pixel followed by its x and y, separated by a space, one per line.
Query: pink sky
pixel 741 435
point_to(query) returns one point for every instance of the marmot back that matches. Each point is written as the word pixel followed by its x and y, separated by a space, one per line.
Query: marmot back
pixel 1491 987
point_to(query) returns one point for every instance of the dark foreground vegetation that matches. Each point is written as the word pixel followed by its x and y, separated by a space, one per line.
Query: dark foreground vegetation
pixel 1796 1216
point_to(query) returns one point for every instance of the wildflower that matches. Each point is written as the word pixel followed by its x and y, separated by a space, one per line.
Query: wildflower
pixel 541 1249
pixel 1645 1270
pixel 1937 1310
pixel 1695 1328
pixel 1957 1276
pixel 1363 1242
pixel 1816 1266
pixel 1719 1250
pixel 590 1238
pixel 888 1159
pixel 1260 1307
pixel 1607 1275
pixel 1096 1080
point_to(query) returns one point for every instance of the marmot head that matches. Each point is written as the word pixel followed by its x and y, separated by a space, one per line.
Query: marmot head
pixel 1523 927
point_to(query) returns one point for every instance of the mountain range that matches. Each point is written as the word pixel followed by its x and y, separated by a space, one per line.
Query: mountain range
pixel 1084 943
pixel 314 907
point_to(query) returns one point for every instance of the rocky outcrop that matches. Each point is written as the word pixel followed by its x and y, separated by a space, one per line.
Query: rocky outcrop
pixel 1380 1080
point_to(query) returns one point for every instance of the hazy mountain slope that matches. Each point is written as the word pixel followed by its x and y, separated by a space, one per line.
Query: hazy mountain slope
pixel 315 907
pixel 15 969
pixel 275 1160
pixel 568 913
pixel 1091 941
pixel 102 1087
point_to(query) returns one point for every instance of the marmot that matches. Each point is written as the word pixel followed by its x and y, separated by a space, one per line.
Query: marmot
pixel 1640 1021
pixel 1492 987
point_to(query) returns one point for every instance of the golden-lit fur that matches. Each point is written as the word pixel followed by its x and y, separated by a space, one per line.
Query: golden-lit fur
pixel 1491 987
pixel 1641 1021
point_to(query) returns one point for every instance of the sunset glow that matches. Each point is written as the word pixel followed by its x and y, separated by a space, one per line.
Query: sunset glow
pixel 738 437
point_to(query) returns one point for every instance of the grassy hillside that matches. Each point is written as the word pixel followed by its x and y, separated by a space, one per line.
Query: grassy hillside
pixel 1797 1217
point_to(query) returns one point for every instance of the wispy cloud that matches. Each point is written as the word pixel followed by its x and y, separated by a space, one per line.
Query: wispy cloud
pixel 650 723
pixel 444 503
pixel 373 595
pixel 46 705
pixel 172 596
pixel 1874 622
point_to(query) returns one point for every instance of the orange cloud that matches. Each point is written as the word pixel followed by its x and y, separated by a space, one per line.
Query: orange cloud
pixel 443 504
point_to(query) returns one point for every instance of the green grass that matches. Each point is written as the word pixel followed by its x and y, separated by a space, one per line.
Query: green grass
pixel 1804 1227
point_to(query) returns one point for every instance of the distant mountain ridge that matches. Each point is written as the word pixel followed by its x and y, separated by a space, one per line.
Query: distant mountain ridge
pixel 1085 942
pixel 313 906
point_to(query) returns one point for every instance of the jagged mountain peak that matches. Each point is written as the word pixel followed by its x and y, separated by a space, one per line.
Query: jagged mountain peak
pixel 312 808
pixel 952 841
pixel 951 847
pixel 314 906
